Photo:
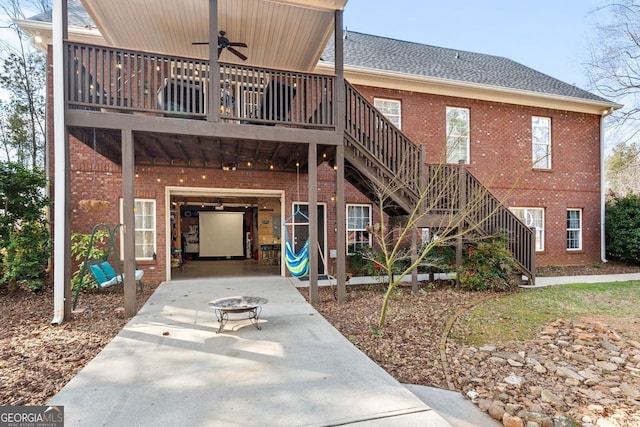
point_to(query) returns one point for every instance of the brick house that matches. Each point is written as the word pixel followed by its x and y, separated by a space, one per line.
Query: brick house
pixel 310 119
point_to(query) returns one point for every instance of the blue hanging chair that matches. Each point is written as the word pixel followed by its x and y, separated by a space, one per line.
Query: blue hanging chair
pixel 297 263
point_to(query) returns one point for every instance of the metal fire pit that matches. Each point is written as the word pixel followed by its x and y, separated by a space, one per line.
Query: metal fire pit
pixel 233 305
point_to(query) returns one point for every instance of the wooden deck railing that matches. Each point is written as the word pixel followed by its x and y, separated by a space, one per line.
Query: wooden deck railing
pixel 452 188
pixel 376 139
pixel 106 78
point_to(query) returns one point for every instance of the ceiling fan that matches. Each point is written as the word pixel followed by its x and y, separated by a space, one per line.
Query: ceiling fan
pixel 224 43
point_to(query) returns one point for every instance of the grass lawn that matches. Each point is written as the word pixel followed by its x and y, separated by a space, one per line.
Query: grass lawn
pixel 518 316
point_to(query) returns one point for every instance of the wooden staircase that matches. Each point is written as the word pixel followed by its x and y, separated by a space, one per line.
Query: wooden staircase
pixel 381 161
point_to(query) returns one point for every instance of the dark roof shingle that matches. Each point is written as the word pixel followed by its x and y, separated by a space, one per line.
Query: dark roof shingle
pixel 375 52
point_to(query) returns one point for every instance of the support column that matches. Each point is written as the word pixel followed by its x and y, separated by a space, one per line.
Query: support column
pixel 414 258
pixel 313 223
pixel 128 214
pixel 340 111
pixel 62 187
pixel 341 226
pixel 213 112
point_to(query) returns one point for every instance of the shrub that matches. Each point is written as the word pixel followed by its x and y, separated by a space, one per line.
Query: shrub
pixel 622 228
pixel 25 245
pixel 488 266
pixel 440 258
pixel 28 249
pixel 79 249
pixel 368 262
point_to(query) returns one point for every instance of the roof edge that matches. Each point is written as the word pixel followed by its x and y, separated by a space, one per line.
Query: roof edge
pixel 45 31
pixel 447 87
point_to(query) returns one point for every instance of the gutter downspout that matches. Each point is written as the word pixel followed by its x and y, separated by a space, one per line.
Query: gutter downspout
pixel 603 253
pixel 59 162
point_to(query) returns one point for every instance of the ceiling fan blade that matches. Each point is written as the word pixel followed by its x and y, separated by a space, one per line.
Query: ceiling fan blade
pixel 238 54
pixel 199 43
pixel 219 51
pixel 238 44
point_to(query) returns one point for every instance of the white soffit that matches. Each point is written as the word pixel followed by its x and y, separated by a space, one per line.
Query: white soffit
pixel 287 35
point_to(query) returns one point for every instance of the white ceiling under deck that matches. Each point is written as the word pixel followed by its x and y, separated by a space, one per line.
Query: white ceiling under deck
pixel 280 34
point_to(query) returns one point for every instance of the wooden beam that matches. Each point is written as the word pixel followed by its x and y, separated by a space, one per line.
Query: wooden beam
pixel 180 148
pixel 203 157
pixel 171 125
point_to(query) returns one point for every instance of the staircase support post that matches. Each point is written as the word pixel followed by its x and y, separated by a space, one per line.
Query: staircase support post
pixel 414 258
pixel 462 206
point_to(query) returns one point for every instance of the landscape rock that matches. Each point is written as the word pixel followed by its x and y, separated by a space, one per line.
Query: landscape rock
pixel 572 374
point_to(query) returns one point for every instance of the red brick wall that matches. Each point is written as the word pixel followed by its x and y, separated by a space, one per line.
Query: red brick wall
pixel 500 156
pixel 101 179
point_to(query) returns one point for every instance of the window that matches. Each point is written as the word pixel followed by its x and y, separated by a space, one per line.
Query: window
pixel 541 142
pixel 532 217
pixel 145 228
pixel 358 219
pixel 390 108
pixel 457 135
pixel 574 229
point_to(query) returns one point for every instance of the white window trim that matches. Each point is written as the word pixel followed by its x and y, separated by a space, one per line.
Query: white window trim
pixel 468 138
pixel 399 125
pixel 347 229
pixel 535 162
pixel 539 235
pixel 154 230
pixel 579 230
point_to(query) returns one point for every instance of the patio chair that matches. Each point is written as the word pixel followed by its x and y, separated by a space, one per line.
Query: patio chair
pixel 276 104
pixel 105 275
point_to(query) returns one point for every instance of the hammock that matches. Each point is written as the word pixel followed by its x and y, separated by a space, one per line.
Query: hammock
pixel 297 263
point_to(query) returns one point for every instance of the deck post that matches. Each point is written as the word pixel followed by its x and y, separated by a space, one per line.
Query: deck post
pixel 340 121
pixel 313 223
pixel 128 214
pixel 414 258
pixel 462 206
pixel 213 112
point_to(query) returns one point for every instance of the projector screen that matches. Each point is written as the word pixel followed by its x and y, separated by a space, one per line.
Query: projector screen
pixel 221 234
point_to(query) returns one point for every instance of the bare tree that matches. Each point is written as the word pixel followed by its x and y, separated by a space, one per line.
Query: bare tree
pixel 622 169
pixel 614 72
pixel 23 76
pixel 448 206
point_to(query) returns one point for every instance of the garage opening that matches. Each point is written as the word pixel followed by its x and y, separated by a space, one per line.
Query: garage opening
pixel 223 232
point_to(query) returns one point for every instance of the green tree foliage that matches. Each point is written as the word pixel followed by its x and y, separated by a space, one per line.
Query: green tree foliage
pixel 24 238
pixel 622 228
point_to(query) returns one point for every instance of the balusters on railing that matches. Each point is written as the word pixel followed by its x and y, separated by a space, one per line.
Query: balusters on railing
pixel 122 80
pixel 381 140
